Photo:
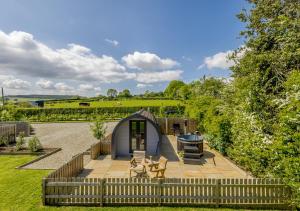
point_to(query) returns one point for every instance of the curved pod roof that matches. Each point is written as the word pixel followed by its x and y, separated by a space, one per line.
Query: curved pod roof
pixel 141 114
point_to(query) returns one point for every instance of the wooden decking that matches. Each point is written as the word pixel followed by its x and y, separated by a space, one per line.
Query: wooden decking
pixel 213 165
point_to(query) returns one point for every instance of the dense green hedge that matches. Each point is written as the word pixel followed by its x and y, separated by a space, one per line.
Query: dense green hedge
pixel 86 114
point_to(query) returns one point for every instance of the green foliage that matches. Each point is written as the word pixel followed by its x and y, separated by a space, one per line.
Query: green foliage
pixel 116 103
pixel 9 113
pixel 265 124
pixel 98 129
pixel 88 113
pixel 184 92
pixel 112 93
pixel 255 118
pixel 207 87
pixel 173 88
pixel 125 94
pixel 20 141
pixel 4 140
pixel 34 144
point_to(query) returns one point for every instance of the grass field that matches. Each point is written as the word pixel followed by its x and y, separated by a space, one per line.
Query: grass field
pixel 114 103
pixel 21 190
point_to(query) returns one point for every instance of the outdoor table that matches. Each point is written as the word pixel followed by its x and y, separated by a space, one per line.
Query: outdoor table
pixel 140 170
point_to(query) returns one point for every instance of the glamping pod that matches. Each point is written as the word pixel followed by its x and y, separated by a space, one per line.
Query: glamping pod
pixel 139 131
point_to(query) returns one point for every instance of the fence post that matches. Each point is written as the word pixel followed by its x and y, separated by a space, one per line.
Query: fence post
pixel 44 191
pixel 102 191
pixel 159 191
pixel 217 191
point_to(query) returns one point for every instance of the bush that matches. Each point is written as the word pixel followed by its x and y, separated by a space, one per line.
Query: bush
pixel 4 140
pixel 34 144
pixel 98 129
pixel 20 141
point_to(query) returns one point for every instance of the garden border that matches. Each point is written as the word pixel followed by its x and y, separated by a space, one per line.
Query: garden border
pixel 55 150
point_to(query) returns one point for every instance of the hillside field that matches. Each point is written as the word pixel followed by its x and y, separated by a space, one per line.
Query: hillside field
pixel 114 103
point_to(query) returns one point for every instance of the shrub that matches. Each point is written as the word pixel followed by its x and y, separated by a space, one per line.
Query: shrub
pixel 20 141
pixel 98 129
pixel 34 144
pixel 4 140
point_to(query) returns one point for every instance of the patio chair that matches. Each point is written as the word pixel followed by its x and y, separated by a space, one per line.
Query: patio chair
pixel 138 158
pixel 157 169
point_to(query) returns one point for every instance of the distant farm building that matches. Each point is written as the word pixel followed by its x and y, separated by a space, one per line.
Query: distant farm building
pixel 84 104
pixel 38 103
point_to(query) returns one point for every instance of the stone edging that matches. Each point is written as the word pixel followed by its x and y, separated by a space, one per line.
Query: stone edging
pixel 39 158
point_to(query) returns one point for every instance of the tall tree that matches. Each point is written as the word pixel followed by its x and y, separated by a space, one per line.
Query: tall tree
pixel 172 89
pixel 270 53
pixel 263 130
pixel 112 93
pixel 125 93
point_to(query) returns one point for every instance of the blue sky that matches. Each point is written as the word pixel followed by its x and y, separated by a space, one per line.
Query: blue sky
pixel 145 43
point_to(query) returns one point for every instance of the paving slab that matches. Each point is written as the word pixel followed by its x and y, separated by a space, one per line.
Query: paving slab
pixel 213 165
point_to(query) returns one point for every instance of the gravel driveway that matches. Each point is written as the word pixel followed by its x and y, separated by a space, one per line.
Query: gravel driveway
pixel 73 138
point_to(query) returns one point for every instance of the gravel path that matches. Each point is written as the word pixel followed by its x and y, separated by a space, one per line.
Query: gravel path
pixel 73 138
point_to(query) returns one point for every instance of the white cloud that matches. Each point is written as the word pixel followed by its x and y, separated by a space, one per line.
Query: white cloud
pixel 21 54
pixel 218 61
pixel 45 84
pixel 163 76
pixel 63 87
pixel 112 42
pixel 148 61
pixel 98 89
pixel 16 83
pixel 86 87
pixel 141 86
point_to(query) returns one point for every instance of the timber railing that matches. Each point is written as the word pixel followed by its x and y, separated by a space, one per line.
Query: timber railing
pixel 102 147
pixel 69 169
pixel 264 193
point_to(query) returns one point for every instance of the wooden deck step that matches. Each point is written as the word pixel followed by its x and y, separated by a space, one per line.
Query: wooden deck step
pixel 192 161
pixel 193 154
pixel 191 148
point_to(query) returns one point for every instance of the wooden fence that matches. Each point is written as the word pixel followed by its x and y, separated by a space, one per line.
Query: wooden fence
pixel 21 126
pixel 185 125
pixel 8 131
pixel 69 169
pixel 267 193
pixel 103 147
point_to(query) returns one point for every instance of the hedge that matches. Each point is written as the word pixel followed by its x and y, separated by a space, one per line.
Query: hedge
pixel 90 113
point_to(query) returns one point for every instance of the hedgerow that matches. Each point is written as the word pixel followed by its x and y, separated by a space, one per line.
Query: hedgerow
pixel 90 114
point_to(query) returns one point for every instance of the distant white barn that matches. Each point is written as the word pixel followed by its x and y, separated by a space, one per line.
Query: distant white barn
pixel 139 131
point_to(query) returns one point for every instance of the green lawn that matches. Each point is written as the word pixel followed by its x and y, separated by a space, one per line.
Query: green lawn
pixel 116 103
pixel 21 190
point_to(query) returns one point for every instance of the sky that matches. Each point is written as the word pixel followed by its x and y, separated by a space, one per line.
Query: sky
pixel 86 47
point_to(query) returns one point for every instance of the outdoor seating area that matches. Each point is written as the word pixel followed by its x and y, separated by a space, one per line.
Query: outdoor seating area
pixel 143 167
pixel 168 165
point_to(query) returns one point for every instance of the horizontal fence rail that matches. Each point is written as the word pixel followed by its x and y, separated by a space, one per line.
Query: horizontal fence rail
pixel 270 193
pixel 103 147
pixel 69 169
